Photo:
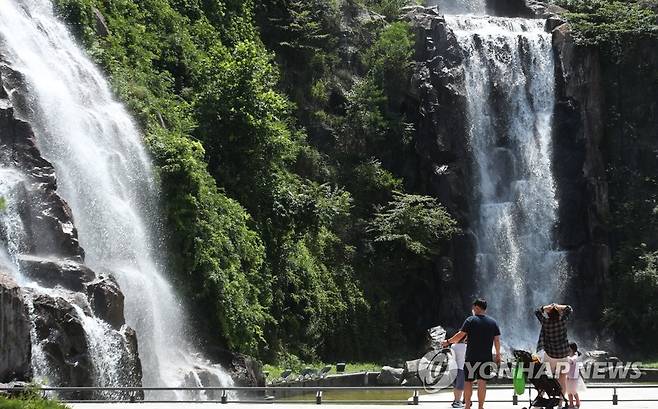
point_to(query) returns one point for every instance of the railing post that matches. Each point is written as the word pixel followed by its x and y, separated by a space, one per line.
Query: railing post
pixel 132 397
pixel 529 396
pixel 515 399
pixel 615 398
pixel 415 397
pixel 224 396
pixel 318 398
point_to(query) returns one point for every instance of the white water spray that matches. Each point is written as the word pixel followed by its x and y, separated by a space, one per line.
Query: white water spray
pixel 105 175
pixel 473 7
pixel 510 85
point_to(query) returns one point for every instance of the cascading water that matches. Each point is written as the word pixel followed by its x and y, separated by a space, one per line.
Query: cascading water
pixel 105 175
pixel 12 228
pixel 474 7
pixel 509 81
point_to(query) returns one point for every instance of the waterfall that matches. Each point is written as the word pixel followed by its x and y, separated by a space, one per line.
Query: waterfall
pixel 509 82
pixel 474 7
pixel 105 175
pixel 12 226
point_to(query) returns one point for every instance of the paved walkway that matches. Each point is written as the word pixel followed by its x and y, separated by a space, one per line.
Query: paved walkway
pixel 593 399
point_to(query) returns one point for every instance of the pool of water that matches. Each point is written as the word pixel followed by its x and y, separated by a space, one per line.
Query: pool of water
pixel 371 396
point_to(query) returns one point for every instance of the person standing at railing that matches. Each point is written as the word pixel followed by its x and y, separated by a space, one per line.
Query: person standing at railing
pixel 483 334
pixel 459 352
pixel 575 382
pixel 553 338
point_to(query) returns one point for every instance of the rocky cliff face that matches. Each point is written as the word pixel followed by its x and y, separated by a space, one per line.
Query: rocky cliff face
pixel 15 354
pixel 47 219
pixel 606 156
pixel 442 166
pixel 579 170
pixel 38 231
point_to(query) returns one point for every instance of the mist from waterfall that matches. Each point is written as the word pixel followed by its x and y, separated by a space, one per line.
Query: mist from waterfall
pixel 105 175
pixel 509 81
pixel 473 7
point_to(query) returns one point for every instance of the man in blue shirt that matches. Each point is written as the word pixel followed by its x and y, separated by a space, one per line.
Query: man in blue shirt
pixel 483 334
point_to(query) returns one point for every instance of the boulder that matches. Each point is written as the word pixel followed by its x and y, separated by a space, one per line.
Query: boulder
pixel 202 377
pixel 100 25
pixel 131 362
pixel 553 22
pixel 245 370
pixel 410 373
pixel 106 300
pixel 16 350
pixel 597 356
pixel 62 338
pixel 554 9
pixel 390 376
pixel 14 389
pixel 53 272
pixel 66 356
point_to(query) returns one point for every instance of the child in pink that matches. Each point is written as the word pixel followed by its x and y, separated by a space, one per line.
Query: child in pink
pixel 574 382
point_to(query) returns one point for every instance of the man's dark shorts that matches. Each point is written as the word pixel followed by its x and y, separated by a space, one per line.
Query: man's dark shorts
pixel 478 370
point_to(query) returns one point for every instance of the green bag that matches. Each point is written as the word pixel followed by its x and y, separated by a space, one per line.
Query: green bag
pixel 518 379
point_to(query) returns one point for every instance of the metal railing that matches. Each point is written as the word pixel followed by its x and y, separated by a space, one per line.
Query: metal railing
pixel 250 393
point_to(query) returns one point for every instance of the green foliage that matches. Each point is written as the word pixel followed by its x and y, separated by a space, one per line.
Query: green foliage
pixel 297 365
pixel 257 249
pixel 389 58
pixel 649 364
pixel 3 203
pixel 373 185
pixel 30 400
pixel 241 122
pixel 364 127
pixel 611 23
pixel 221 255
pixel 153 53
pixel 631 306
pixel 628 78
pixel 389 8
pixel 269 231
pixel 634 314
pixel 415 223
pixel 352 104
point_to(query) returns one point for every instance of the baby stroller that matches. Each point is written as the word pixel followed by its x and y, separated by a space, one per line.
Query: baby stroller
pixel 549 391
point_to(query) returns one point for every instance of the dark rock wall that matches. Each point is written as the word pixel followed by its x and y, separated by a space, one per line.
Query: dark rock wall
pixel 630 83
pixel 15 347
pixel 441 166
pixel 65 345
pixel 579 169
pixel 605 151
pixel 47 219
pixel 509 8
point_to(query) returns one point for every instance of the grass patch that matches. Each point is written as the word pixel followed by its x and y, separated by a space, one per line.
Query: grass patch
pixel 276 370
pixel 30 401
